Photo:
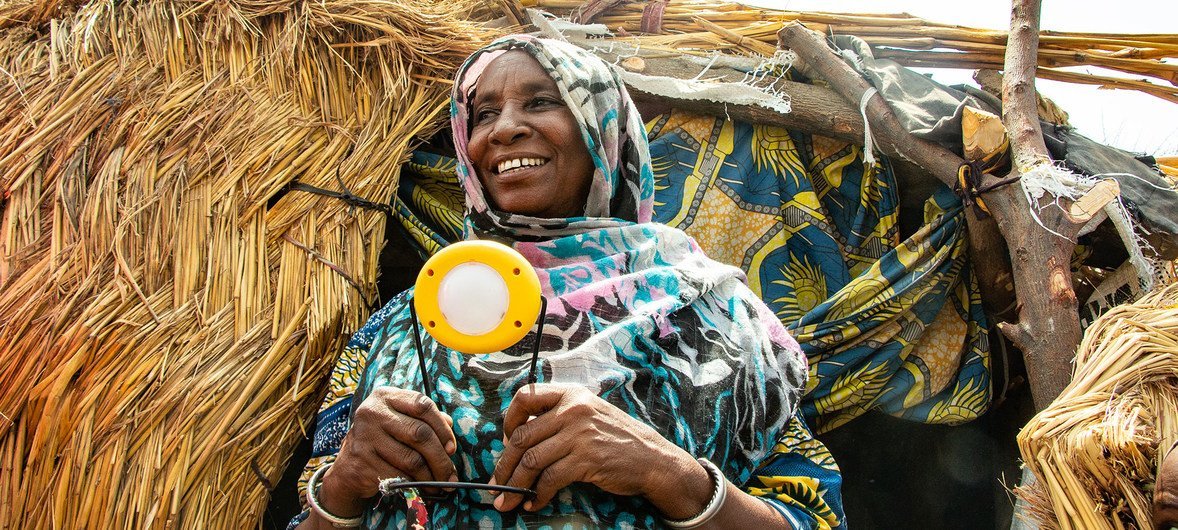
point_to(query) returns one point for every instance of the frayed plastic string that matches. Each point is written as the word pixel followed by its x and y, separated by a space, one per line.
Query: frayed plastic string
pixel 1134 243
pixel 1060 183
pixel 1047 178
pixel 776 65
pixel 779 63
pixel 1138 177
pixel 868 141
pixel 715 55
pixel 852 59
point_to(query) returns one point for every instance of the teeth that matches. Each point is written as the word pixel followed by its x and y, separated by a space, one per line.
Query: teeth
pixel 514 163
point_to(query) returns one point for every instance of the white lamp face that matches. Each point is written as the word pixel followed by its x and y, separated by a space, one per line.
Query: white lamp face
pixel 473 298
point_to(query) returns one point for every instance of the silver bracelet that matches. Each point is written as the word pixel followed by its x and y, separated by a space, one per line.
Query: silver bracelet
pixel 335 520
pixel 714 504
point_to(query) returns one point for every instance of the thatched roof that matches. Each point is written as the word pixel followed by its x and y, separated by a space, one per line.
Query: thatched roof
pixel 168 309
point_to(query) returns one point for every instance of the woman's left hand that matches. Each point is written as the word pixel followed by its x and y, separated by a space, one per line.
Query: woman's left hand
pixel 575 436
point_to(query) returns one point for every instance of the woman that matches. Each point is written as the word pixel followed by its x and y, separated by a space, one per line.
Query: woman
pixel 652 355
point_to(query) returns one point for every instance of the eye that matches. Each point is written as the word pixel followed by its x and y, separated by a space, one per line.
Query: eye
pixel 545 101
pixel 484 114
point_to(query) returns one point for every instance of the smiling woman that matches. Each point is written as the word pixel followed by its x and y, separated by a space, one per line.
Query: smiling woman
pixel 525 144
pixel 667 391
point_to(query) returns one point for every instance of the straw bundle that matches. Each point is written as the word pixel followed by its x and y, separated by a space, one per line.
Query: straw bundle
pixel 911 41
pixel 169 310
pixel 1094 451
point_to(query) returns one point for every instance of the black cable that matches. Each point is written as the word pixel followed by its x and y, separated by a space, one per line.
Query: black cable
pixel 536 343
pixel 458 485
pixel 429 391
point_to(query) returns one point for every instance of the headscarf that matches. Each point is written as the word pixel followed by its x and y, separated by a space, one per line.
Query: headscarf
pixel 636 313
pixel 622 189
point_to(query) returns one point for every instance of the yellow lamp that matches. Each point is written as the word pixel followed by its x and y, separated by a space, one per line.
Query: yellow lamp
pixel 477 296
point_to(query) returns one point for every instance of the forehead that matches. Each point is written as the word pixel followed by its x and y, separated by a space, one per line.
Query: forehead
pixel 513 72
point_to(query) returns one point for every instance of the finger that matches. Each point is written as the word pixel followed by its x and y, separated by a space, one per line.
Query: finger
pixel 398 460
pixel 556 476
pixel 525 437
pixel 531 400
pixel 531 465
pixel 403 461
pixel 418 406
pixel 421 441
pixel 369 465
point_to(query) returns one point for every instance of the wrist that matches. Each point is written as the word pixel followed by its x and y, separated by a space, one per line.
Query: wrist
pixel 335 497
pixel 681 489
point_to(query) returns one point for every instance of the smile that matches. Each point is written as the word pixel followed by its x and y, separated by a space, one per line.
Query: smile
pixel 519 163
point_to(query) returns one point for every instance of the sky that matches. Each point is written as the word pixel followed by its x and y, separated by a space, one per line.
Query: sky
pixel 1131 120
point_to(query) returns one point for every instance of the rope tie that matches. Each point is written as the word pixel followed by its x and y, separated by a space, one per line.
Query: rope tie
pixel 868 141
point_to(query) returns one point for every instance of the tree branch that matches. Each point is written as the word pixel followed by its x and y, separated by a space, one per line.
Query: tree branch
pixel 893 139
pixel 816 110
pixel 1048 329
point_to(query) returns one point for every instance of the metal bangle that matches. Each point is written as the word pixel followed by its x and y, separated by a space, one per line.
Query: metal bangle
pixel 335 520
pixel 714 504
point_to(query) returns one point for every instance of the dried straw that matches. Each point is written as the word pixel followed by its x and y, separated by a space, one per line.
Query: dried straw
pixel 168 310
pixel 708 25
pixel 1094 451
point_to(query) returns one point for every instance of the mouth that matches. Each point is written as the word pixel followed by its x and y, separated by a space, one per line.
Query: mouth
pixel 510 166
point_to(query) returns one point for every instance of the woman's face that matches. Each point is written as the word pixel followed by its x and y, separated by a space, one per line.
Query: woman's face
pixel 525 144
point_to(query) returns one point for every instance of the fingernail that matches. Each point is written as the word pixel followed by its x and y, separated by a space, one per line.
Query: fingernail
pixel 528 506
pixel 499 503
pixel 453 477
pixel 450 447
pixel 492 483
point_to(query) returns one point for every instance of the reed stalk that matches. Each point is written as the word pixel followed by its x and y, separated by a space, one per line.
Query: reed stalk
pixel 169 310
pixel 1095 450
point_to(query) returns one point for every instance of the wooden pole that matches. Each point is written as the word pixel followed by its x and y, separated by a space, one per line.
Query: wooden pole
pixel 1048 327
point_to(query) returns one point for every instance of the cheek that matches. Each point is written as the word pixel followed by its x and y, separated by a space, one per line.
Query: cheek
pixel 585 167
pixel 581 162
pixel 476 149
pixel 476 146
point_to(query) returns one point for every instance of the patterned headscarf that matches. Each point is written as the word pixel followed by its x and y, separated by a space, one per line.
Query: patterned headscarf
pixel 622 188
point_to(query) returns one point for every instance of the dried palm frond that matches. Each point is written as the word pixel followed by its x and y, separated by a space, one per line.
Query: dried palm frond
pixel 169 309
pixel 1095 451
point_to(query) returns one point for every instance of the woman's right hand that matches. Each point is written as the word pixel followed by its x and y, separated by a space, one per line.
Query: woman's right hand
pixel 394 433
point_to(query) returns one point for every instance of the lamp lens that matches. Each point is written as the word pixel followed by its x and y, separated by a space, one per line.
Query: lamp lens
pixel 473 298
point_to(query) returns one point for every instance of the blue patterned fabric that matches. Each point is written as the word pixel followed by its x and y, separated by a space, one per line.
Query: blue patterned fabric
pixel 886 324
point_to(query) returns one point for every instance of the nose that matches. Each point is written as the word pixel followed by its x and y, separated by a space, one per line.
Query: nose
pixel 510 126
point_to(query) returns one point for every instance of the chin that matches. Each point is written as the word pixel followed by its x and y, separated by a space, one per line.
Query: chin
pixel 530 210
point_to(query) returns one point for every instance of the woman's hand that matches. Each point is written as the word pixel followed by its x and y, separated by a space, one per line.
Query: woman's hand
pixel 394 433
pixel 576 436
